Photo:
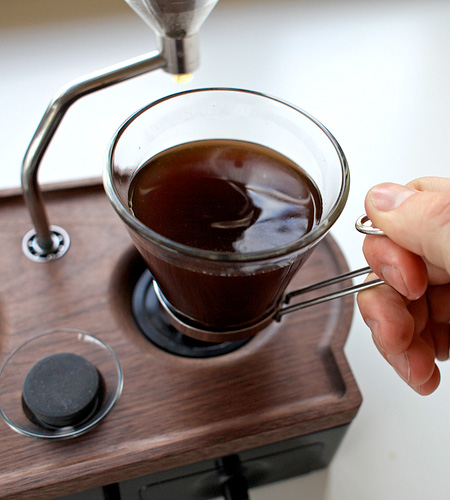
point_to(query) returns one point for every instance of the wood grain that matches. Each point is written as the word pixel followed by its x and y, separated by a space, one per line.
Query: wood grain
pixel 290 380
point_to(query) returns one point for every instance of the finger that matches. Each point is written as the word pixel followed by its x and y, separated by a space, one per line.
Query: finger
pixel 433 184
pixel 440 333
pixel 386 314
pixel 430 385
pixel 416 365
pixel 416 220
pixel 397 335
pixel 420 312
pixel 403 270
pixel 435 334
pixel 439 303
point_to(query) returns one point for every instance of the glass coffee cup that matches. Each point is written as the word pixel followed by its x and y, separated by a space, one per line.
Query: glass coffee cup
pixel 212 291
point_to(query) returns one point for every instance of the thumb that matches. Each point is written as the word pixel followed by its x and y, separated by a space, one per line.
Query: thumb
pixel 418 221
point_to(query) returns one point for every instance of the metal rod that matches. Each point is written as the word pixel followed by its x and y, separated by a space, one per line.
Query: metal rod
pixel 329 282
pixel 231 478
pixel 330 296
pixel 50 122
pixel 111 492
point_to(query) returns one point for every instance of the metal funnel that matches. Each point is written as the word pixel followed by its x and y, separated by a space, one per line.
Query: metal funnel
pixel 176 22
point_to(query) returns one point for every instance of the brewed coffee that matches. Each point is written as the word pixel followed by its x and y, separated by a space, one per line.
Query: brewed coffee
pixel 224 196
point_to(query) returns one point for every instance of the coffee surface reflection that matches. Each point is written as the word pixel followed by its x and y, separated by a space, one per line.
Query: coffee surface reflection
pixel 225 196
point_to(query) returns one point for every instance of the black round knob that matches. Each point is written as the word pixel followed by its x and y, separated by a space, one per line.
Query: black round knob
pixel 61 390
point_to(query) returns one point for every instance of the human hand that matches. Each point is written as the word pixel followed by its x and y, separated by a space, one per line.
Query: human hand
pixel 410 319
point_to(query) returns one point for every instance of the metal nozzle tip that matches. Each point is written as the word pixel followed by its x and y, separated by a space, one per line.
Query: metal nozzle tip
pixel 183 78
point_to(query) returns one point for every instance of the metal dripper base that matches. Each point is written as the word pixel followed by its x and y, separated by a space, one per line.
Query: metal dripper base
pixel 154 324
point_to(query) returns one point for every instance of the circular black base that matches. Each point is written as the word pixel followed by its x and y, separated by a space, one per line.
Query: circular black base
pixel 153 323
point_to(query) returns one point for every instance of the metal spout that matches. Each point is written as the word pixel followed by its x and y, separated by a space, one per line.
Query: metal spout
pixel 176 23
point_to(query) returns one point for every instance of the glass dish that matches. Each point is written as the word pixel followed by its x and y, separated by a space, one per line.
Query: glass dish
pixel 19 362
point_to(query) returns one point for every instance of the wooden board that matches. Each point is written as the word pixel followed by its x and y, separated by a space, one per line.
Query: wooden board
pixel 291 379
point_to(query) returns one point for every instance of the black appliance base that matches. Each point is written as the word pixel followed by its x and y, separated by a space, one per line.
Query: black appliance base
pixel 230 477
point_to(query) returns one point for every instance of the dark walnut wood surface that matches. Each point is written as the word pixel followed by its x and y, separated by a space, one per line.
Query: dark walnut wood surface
pixel 290 380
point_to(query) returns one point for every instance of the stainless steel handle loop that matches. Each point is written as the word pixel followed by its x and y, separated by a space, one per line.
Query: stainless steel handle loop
pixel 330 296
pixel 42 240
pixel 364 225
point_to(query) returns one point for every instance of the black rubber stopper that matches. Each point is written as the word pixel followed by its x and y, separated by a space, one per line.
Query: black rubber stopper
pixel 61 390
pixel 153 323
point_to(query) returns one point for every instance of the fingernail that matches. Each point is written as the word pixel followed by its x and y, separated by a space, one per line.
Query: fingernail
pixel 417 388
pixel 394 277
pixel 386 197
pixel 400 363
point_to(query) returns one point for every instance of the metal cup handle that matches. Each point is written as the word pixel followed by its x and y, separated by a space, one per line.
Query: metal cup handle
pixel 363 225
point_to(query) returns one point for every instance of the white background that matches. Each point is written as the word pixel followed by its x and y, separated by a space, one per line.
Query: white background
pixel 376 73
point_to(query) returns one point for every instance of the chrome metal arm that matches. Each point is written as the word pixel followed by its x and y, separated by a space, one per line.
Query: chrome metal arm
pixel 42 244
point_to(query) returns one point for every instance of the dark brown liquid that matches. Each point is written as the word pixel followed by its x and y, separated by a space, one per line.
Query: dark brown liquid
pixel 224 196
